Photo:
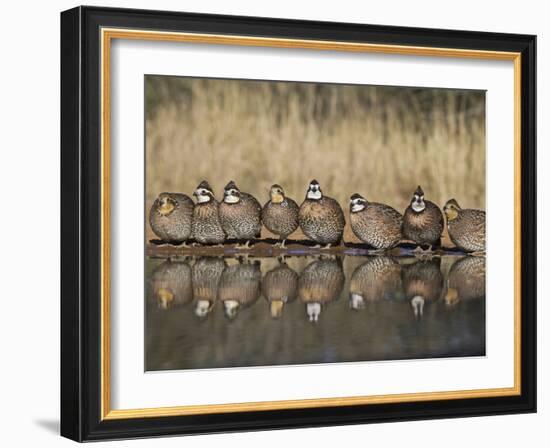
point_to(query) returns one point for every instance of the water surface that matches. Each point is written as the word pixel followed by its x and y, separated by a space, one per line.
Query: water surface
pixel 212 312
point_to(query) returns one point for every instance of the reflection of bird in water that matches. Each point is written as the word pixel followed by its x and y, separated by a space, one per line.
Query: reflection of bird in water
pixel 466 227
pixel 422 221
pixel 240 214
pixel 279 286
pixel 207 228
pixel 171 216
pixel 378 225
pixel 172 284
pixel 321 218
pixel 207 272
pixel 466 280
pixel 280 214
pixel 422 282
pixel 375 279
pixel 321 282
pixel 239 287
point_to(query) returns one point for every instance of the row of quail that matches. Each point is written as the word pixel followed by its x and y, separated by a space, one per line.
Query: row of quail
pixel 383 227
pixel 237 286
pixel 175 218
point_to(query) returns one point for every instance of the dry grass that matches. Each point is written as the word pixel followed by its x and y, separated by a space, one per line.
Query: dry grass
pixel 378 141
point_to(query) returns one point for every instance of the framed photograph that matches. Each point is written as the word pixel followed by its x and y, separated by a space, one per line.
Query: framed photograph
pixel 272 223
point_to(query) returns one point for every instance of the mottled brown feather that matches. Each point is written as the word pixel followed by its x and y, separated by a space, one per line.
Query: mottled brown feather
pixel 176 226
pixel 321 281
pixel 377 278
pixel 423 278
pixel 322 220
pixel 241 283
pixel 378 225
pixel 467 230
pixel 281 218
pixel 423 227
pixel 467 277
pixel 207 228
pixel 281 283
pixel 243 219
pixel 174 278
pixel 207 273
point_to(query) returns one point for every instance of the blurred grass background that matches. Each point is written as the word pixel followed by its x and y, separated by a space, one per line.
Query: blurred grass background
pixel 378 141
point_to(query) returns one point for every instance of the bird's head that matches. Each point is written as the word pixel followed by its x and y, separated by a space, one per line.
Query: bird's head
pixel 314 190
pixel 231 193
pixel 357 203
pixel 203 192
pixel 417 201
pixel 451 209
pixel 276 194
pixel 166 204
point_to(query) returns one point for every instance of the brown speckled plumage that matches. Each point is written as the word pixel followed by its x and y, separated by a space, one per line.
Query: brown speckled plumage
pixel 207 273
pixel 322 220
pixel 241 283
pixel 467 278
pixel 466 228
pixel 281 218
pixel 378 225
pixel 423 227
pixel 176 225
pixel 378 278
pixel 172 284
pixel 423 278
pixel 281 283
pixel 242 220
pixel 207 227
pixel 321 281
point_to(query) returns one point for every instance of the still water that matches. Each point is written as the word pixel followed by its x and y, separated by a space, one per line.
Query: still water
pixel 210 312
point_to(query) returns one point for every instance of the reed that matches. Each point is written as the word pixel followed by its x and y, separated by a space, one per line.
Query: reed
pixel 375 140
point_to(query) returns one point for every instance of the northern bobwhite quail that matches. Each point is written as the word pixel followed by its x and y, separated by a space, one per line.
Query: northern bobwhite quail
pixel 280 214
pixel 422 221
pixel 321 218
pixel 171 217
pixel 466 226
pixel 378 225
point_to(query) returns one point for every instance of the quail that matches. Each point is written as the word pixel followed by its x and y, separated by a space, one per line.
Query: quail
pixel 207 228
pixel 378 225
pixel 321 218
pixel 422 221
pixel 280 214
pixel 240 214
pixel 466 227
pixel 171 217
